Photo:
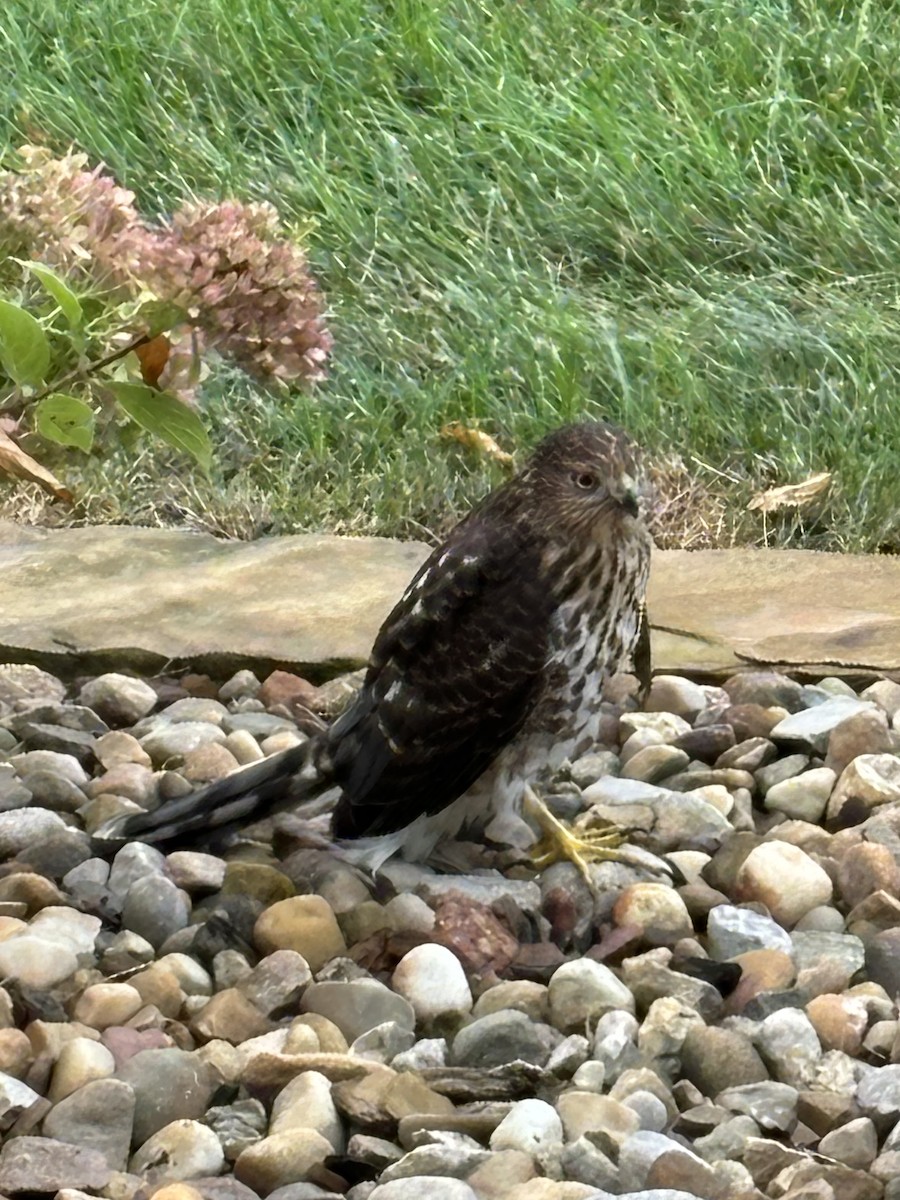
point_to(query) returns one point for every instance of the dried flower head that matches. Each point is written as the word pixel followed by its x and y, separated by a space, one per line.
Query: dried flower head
pixel 246 287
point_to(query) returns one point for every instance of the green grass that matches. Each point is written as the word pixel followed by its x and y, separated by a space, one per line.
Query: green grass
pixel 684 216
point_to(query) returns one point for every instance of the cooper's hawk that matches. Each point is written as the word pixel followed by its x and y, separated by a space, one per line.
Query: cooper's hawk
pixel 488 671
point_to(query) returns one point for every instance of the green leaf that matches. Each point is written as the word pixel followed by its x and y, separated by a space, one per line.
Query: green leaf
pixel 60 291
pixel 24 348
pixel 159 316
pixel 163 415
pixel 66 420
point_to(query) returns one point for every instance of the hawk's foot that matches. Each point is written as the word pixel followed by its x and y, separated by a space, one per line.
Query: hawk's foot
pixel 602 843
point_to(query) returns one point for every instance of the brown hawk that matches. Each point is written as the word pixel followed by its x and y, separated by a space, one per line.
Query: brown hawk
pixel 488 671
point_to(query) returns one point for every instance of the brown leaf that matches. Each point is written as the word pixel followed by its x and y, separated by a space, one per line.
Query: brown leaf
pixel 153 356
pixel 476 440
pixel 14 461
pixel 791 495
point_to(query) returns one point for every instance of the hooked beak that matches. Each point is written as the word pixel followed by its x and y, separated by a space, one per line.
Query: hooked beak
pixel 627 496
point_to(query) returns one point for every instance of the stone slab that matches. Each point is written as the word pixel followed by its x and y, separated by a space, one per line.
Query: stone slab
pixel 161 599
pixel 153 599
pixel 805 611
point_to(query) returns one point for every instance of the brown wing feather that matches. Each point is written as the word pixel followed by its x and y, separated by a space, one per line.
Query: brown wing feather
pixel 454 673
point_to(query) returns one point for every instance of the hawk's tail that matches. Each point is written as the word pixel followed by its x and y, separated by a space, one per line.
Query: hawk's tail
pixel 200 818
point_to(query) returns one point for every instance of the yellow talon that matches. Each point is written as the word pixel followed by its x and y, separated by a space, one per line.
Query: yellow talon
pixel 559 842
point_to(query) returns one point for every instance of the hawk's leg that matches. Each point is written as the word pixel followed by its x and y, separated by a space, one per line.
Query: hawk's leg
pixel 603 844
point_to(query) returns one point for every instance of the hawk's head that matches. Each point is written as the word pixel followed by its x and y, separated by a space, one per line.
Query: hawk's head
pixel 589 471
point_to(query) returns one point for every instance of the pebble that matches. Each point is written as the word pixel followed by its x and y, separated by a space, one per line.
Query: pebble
pixel 732 931
pixel 532 1126
pixel 790 1046
pixel 772 1105
pixel 657 910
pixel 431 978
pixel 804 796
pixel 502 1037
pixel 716 1059
pixel 672 693
pixel 24 826
pixel 305 924
pixel 582 991
pixel 168 1084
pixel 104 1004
pixel 435 1187
pixel 81 1061
pixel 518 975
pixel 44 1165
pixel 155 908
pixel 181 1150
pixel 854 1144
pixel 99 1116
pixel 358 1005
pixel 306 1103
pixel 169 745
pixel 785 879
pixel 813 726
pixel 865 783
pixel 118 699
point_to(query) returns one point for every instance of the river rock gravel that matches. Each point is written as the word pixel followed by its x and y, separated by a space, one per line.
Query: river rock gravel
pixel 266 1022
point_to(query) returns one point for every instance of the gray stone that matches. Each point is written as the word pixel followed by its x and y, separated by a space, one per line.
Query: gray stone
pixel 615 1043
pixel 433 1186
pixel 790 1046
pixel 811 726
pixel 383 1043
pixel 640 1151
pixel 649 977
pixel 804 797
pixel 732 931
pixel 879 1091
pixel 182 1149
pixel 55 792
pixel 715 1059
pixel 15 1097
pixel 168 745
pixel 26 826
pixel 277 983
pixel 98 1116
pixel 772 1105
pixel 811 947
pixel 503 1037
pixel 883 960
pixel 728 1140
pixel 436 1160
pixel 118 699
pixel 22 682
pixel 133 862
pixel 854 1144
pixel 584 1162
pixel 168 1085
pixel 34 761
pixel 358 1006
pixel 33 1164
pixel 13 793
pixel 593 766
pixel 237 1125
pixel 583 990
pixel 155 908
pixel 779 771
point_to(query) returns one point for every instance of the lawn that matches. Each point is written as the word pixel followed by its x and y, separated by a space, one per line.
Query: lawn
pixel 682 216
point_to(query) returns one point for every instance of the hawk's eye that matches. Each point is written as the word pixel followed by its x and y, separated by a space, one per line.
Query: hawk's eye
pixel 584 480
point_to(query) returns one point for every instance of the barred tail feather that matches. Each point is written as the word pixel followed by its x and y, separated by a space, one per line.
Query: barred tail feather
pixel 251 792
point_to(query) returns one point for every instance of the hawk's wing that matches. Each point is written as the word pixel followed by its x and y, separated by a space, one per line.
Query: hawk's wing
pixel 454 673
